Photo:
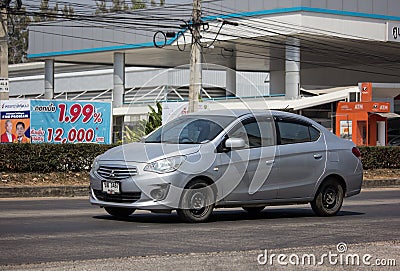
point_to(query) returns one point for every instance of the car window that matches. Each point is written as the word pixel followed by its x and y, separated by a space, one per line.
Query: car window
pixel 314 133
pixel 255 133
pixel 292 132
pixel 190 129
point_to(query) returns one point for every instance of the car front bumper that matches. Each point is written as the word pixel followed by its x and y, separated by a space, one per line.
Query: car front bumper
pixel 136 190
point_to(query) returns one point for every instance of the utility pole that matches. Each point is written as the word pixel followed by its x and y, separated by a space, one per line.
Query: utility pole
pixel 4 94
pixel 195 58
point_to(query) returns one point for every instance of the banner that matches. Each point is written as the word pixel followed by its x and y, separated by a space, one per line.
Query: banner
pixel 51 121
pixel 15 121
pixel 70 122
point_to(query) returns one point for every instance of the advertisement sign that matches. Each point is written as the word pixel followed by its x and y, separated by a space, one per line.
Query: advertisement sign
pixel 173 110
pixel 15 121
pixel 51 121
pixel 70 122
pixel 379 107
pixel 346 128
pixel 393 31
pixel 366 92
pixel 4 82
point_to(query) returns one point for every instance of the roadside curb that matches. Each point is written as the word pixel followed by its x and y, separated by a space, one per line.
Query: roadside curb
pixel 79 191
pixel 381 183
pixel 44 191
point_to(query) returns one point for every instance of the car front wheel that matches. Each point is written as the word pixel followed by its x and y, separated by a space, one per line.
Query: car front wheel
pixel 197 202
pixel 119 212
pixel 329 198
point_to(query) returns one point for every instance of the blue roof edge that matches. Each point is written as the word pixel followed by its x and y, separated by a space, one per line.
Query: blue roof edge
pixel 211 18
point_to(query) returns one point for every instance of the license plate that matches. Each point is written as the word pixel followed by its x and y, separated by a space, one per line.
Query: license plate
pixel 111 188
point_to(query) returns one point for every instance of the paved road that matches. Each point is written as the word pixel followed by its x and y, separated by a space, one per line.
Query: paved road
pixel 47 230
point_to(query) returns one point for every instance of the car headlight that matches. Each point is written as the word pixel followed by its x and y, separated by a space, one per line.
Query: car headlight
pixel 165 165
pixel 95 165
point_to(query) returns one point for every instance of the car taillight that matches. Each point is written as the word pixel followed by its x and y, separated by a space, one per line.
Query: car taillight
pixel 356 152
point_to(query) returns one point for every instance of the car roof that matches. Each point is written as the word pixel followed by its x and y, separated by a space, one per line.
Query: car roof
pixel 257 112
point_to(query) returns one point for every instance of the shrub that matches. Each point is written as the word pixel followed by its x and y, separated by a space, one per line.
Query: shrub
pixel 49 157
pixel 380 157
pixel 79 157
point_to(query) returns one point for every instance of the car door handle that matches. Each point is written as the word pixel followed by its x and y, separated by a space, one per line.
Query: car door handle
pixel 317 156
pixel 270 162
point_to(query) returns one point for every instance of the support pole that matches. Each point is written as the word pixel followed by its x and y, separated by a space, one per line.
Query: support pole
pixel 292 68
pixel 4 95
pixel 195 59
pixel 49 79
pixel 119 80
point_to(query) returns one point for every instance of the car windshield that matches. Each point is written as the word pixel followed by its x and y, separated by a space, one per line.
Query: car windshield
pixel 190 129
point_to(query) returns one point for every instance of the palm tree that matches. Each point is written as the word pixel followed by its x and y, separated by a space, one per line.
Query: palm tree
pixel 144 127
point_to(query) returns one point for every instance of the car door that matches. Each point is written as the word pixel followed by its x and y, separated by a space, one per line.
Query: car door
pixel 301 158
pixel 245 171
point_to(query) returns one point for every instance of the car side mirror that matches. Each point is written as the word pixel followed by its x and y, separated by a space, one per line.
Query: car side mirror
pixel 235 143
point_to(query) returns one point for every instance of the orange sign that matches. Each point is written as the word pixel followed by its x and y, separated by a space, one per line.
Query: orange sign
pixel 366 92
pixel 380 107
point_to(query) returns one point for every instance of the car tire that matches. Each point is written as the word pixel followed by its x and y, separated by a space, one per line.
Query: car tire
pixel 197 202
pixel 119 212
pixel 329 198
pixel 254 210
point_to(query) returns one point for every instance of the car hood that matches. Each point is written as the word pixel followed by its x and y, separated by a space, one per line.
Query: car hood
pixel 145 152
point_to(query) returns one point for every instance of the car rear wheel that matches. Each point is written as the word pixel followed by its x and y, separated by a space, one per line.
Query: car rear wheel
pixel 329 198
pixel 254 210
pixel 197 202
pixel 119 212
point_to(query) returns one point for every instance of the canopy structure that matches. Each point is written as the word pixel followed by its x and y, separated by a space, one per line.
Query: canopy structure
pixel 300 43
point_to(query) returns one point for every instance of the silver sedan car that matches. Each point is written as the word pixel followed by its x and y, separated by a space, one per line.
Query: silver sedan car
pixel 228 158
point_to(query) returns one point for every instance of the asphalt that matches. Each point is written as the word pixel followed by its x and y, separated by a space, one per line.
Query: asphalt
pixel 381 253
pixel 68 233
pixel 79 191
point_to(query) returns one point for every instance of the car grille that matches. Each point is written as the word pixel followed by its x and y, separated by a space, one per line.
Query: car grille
pixel 116 173
pixel 122 198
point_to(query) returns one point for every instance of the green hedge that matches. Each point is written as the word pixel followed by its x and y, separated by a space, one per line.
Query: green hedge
pixel 79 157
pixel 49 157
pixel 380 157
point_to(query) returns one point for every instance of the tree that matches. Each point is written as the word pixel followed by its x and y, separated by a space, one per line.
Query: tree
pixel 144 127
pixel 18 23
pixel 68 11
pixel 46 12
pixel 101 7
pixel 18 37
pixel 138 4
pixel 120 5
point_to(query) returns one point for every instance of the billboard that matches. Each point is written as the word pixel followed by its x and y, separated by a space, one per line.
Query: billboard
pixel 52 121
pixel 15 121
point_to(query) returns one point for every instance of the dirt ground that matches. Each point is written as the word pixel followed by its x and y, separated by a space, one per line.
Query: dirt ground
pixel 82 178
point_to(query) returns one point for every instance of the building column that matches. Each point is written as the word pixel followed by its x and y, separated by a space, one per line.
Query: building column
pixel 276 67
pixel 381 133
pixel 49 79
pixel 119 80
pixel 276 82
pixel 230 82
pixel 292 68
